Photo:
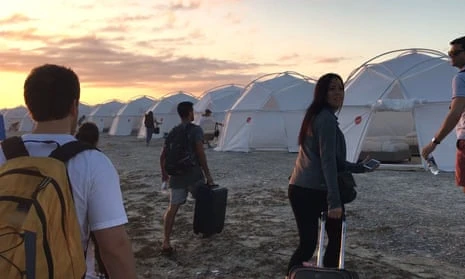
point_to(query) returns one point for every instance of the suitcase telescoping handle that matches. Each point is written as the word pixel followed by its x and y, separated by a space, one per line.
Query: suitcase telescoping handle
pixel 324 216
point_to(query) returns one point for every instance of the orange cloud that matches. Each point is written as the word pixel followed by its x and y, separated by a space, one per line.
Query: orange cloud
pixel 331 60
pixel 289 57
pixel 29 34
pixel 15 19
pixel 104 64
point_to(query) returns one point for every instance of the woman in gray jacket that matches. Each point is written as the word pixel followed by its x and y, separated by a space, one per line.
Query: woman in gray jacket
pixel 313 185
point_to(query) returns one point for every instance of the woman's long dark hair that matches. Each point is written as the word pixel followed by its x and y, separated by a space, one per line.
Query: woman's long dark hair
pixel 320 95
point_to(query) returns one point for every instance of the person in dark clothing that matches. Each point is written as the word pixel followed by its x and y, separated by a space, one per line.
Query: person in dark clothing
pixel 149 123
pixel 181 185
pixel 88 132
pixel 313 185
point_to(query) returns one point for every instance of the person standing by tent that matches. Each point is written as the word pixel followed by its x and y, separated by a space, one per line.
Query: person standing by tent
pixel 209 127
pixel 149 123
pixel 455 117
pixel 313 185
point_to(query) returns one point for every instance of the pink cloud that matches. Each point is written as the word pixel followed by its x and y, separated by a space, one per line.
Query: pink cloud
pixel 330 60
pixel 14 19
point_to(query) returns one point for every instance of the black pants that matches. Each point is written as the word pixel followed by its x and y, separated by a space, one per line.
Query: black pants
pixel 307 205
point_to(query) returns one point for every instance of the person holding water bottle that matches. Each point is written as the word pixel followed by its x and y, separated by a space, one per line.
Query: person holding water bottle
pixel 455 117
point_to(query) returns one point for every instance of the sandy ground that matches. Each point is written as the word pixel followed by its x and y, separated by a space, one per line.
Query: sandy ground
pixel 404 224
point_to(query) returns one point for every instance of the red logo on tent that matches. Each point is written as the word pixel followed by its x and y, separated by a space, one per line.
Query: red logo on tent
pixel 358 120
pixel 249 119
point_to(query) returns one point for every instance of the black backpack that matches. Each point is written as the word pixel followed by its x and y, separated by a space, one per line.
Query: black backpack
pixel 179 156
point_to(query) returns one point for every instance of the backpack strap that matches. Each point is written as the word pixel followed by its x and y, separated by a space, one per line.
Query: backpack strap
pixel 68 150
pixel 64 153
pixel 14 147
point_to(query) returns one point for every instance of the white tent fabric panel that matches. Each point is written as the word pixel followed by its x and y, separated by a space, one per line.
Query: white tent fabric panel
pixel 124 125
pixel 84 110
pixel 354 123
pixel 274 107
pixel 407 63
pixel 261 130
pixel 248 101
pixel 104 114
pixel 129 117
pixel 218 100
pixel 26 124
pixel 300 90
pixel 237 134
pixel 403 99
pixel 292 130
pixel 368 91
pixel 387 123
pixel 260 92
pixel 429 85
pixel 428 119
pixel 13 117
pixel 265 136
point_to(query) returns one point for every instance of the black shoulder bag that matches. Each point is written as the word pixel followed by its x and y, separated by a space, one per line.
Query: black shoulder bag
pixel 346 181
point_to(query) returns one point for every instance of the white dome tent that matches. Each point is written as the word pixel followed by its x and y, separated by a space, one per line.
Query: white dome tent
pixel 218 100
pixel 402 99
pixel 84 110
pixel 129 117
pixel 268 114
pixel 26 124
pixel 13 118
pixel 165 111
pixel 104 114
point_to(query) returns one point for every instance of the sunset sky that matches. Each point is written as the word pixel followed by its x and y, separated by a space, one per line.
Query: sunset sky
pixel 124 48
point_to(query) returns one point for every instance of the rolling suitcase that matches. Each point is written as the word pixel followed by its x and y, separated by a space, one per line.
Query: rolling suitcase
pixel 210 209
pixel 320 272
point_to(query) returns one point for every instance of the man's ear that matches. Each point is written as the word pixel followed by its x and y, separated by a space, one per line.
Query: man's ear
pixel 74 110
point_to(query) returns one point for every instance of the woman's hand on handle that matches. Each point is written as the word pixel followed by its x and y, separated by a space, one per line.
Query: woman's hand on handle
pixel 335 213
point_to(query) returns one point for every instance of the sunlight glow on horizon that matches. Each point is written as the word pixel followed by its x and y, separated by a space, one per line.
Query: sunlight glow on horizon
pixel 121 49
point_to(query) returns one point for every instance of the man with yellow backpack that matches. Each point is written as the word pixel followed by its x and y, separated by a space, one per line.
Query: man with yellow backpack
pixel 55 191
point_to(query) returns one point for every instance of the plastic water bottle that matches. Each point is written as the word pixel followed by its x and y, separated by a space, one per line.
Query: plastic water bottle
pixel 164 186
pixel 433 168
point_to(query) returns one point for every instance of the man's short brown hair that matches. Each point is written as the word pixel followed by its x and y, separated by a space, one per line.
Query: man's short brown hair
pixel 50 91
pixel 459 41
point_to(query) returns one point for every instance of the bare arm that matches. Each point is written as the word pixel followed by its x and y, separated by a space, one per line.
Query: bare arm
pixel 203 161
pixel 116 252
pixel 451 120
pixel 164 174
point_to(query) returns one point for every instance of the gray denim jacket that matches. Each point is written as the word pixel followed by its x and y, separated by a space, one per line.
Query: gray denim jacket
pixel 321 157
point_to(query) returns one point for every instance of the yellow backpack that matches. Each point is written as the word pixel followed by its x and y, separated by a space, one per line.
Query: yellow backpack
pixel 39 229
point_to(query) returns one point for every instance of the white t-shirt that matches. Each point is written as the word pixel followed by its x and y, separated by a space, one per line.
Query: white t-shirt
pixel 96 188
pixel 207 123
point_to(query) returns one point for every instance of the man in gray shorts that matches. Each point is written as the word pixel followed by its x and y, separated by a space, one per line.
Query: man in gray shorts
pixel 180 185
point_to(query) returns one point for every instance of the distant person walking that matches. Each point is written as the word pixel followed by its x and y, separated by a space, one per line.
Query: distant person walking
pixel 456 116
pixel 189 181
pixel 149 122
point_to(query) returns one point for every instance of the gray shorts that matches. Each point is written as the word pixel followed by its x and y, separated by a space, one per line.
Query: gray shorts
pixel 179 195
